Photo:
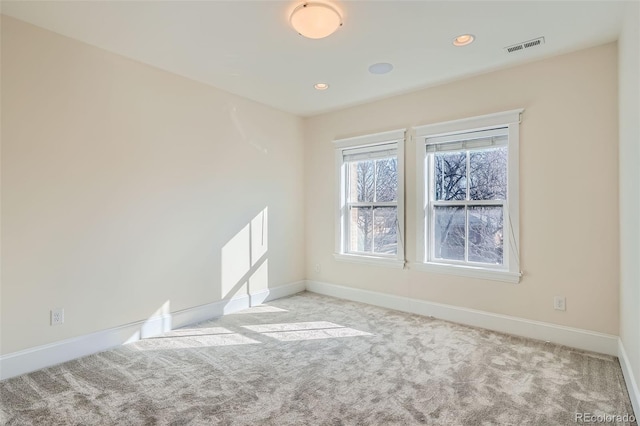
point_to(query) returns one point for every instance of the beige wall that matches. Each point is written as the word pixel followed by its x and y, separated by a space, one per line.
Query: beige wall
pixel 124 187
pixel 568 189
pixel 629 46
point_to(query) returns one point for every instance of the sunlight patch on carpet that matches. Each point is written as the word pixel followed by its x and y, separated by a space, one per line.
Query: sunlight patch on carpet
pixel 260 309
pixel 193 341
pixel 311 330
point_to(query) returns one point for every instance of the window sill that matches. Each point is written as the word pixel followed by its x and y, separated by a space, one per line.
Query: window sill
pixel 470 271
pixel 370 260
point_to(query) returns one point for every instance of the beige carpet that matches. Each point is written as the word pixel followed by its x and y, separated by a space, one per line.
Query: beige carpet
pixel 310 359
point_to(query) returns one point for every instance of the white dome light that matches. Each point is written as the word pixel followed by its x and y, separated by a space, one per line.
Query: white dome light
pixel 315 20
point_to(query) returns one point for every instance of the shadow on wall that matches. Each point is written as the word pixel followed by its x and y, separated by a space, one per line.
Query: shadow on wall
pixel 244 279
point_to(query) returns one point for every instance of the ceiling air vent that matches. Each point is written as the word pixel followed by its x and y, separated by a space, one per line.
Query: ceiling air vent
pixel 525 45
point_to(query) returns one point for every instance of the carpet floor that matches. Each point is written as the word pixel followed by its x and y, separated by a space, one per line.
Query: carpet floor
pixel 311 359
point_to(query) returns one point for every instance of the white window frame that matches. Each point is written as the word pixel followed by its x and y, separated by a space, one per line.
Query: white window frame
pixel 374 141
pixel 510 270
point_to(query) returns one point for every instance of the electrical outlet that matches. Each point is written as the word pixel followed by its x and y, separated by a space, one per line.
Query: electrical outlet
pixel 317 269
pixel 560 303
pixel 57 316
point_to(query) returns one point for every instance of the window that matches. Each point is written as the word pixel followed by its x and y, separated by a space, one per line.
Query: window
pixel 370 205
pixel 468 188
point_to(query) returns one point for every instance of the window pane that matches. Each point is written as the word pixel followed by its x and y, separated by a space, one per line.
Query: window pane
pixel 385 230
pixel 485 234
pixel 488 174
pixel 361 229
pixel 386 179
pixel 361 181
pixel 451 176
pixel 449 233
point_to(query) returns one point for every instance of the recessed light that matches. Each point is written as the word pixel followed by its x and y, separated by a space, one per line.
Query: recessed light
pixel 463 39
pixel 380 68
pixel 321 86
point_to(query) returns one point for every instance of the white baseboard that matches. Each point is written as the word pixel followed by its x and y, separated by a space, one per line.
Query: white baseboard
pixel 632 384
pixel 276 292
pixel 573 337
pixel 25 361
pixel 283 291
pixel 206 312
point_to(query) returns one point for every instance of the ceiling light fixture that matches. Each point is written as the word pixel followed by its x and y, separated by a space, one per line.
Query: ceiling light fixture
pixel 321 86
pixel 463 40
pixel 315 20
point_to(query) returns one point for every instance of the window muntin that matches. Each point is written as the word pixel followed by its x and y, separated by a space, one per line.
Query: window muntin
pixel 467 198
pixel 467 202
pixel 370 203
pixel 477 212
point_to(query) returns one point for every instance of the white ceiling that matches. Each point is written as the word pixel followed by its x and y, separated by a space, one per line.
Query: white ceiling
pixel 248 47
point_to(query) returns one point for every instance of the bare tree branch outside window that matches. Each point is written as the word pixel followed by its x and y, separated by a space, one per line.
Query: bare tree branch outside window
pixel 373 182
pixel 467 232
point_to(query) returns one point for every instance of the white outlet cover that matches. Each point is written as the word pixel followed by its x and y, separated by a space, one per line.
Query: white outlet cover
pixel 57 316
pixel 559 303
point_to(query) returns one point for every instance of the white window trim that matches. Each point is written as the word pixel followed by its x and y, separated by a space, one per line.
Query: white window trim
pixel 370 260
pixel 511 120
pixel 393 136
